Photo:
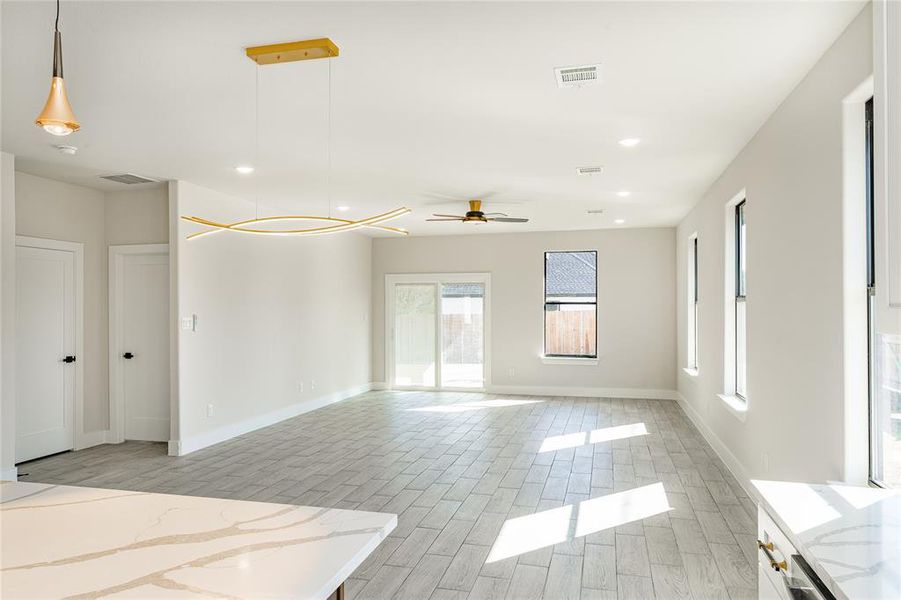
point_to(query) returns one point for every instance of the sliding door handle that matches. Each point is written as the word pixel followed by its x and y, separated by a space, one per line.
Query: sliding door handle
pixel 128 355
pixel 68 359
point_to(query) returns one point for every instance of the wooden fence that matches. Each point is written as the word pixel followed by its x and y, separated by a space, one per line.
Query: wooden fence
pixel 570 332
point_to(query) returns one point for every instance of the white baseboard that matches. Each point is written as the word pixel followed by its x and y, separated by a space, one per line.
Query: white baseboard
pixel 578 392
pixel 174 448
pixel 227 432
pixel 730 460
pixel 584 392
pixel 10 474
pixel 91 438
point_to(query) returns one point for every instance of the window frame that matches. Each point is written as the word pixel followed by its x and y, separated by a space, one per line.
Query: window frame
pixel 565 357
pixel 695 297
pixel 740 295
pixel 874 462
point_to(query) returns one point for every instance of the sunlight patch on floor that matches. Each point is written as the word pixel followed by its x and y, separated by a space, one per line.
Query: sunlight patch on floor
pixel 550 527
pixel 531 532
pixel 479 405
pixel 604 512
pixel 596 436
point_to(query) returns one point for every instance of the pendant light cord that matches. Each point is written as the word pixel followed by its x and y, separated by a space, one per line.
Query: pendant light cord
pixel 328 182
pixel 256 141
pixel 56 25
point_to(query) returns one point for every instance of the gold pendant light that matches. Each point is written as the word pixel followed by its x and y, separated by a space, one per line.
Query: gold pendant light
pixel 57 117
pixel 282 53
pixel 342 224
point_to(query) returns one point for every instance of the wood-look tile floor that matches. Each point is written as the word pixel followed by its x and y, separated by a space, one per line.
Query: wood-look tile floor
pixel 498 496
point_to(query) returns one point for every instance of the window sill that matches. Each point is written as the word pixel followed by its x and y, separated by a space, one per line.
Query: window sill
pixel 564 360
pixel 737 406
pixel 691 372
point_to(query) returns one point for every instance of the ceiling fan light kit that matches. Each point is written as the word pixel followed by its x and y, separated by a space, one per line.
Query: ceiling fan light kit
pixel 475 215
pixel 57 117
pixel 284 53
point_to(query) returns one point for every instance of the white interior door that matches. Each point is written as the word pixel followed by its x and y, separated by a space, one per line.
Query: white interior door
pixel 45 352
pixel 144 348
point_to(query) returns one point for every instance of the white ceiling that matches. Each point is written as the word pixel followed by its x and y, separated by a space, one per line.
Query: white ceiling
pixel 429 100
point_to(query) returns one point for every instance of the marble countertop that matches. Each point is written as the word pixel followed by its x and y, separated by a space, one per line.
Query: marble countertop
pixel 850 536
pixel 61 541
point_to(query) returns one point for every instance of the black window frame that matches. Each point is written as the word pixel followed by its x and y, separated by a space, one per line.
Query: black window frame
pixel 695 297
pixel 740 287
pixel 874 455
pixel 546 303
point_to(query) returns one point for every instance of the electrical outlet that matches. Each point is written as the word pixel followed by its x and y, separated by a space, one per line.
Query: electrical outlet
pixel 209 410
pixel 300 387
pixel 312 384
pixel 512 372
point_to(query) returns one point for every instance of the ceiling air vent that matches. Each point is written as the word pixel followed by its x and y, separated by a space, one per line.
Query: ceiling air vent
pixel 589 170
pixel 578 76
pixel 128 178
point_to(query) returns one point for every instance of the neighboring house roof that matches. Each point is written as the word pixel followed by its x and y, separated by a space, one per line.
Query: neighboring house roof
pixel 462 290
pixel 571 274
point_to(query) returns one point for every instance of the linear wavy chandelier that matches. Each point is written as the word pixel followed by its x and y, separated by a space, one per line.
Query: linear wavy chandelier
pixel 274 54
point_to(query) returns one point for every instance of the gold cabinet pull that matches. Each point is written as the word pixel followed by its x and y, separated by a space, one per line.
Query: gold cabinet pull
pixel 777 565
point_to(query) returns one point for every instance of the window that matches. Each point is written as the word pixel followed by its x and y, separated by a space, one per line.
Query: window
pixel 692 302
pixel 884 356
pixel 570 304
pixel 741 310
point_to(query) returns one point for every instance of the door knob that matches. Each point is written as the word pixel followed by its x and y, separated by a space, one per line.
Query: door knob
pixel 128 355
pixel 69 359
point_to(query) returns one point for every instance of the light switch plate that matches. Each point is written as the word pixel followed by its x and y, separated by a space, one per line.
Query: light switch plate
pixel 189 323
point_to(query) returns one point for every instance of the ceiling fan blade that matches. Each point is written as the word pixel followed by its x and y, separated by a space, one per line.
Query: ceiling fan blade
pixel 445 219
pixel 449 216
pixel 495 214
pixel 508 220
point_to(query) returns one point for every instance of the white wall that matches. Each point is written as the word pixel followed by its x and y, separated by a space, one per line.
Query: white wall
pixel 52 209
pixel 636 305
pixel 792 173
pixel 271 313
pixel 137 216
pixel 7 317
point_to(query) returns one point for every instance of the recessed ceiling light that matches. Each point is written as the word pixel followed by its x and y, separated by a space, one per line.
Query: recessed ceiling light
pixel 623 193
pixel 343 208
pixel 629 142
pixel 244 169
pixel 620 221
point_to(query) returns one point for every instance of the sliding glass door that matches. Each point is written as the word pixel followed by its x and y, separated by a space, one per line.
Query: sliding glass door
pixel 463 335
pixel 437 331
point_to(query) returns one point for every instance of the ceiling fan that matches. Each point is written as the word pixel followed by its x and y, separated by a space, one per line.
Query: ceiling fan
pixel 475 215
